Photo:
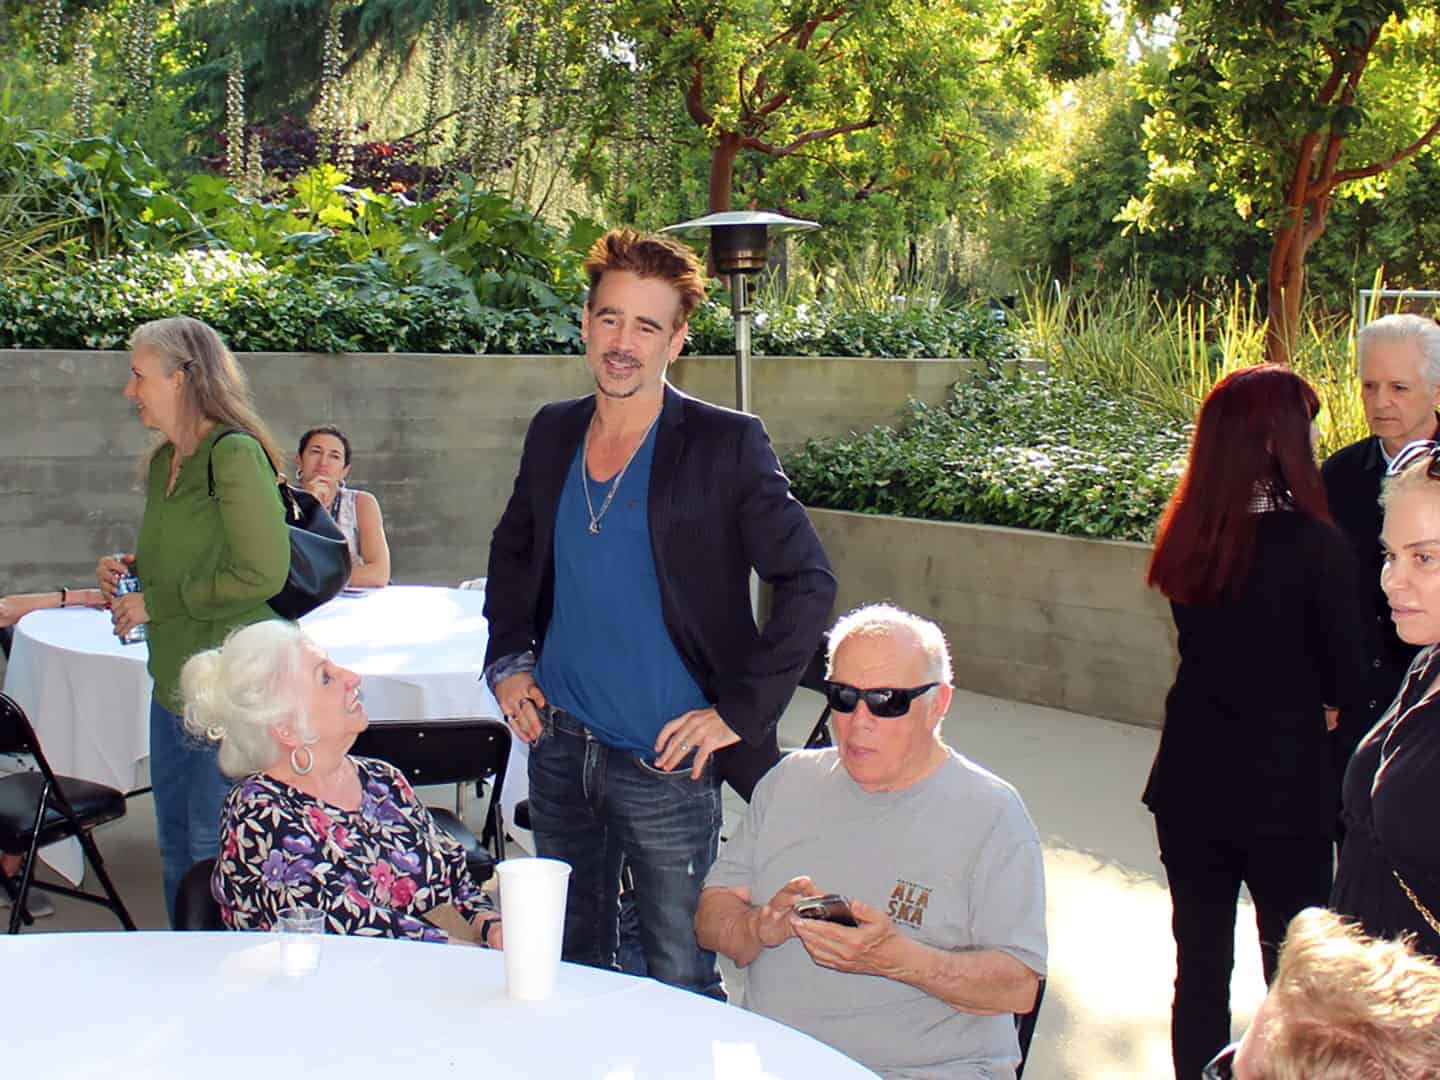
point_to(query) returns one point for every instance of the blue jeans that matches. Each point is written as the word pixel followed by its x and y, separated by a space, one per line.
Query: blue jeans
pixel 189 791
pixel 592 805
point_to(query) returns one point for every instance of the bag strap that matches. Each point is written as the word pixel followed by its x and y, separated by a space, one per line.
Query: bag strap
pixel 210 459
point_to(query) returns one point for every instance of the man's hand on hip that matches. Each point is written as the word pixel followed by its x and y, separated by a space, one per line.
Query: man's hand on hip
pixel 521 700
pixel 699 729
pixel 867 949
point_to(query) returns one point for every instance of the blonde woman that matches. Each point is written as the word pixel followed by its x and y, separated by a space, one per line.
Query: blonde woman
pixel 206 565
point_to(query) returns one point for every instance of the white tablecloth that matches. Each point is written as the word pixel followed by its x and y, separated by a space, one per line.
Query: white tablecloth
pixel 216 1005
pixel 420 650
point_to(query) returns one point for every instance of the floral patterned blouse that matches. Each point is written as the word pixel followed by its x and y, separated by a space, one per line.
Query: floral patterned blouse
pixel 372 871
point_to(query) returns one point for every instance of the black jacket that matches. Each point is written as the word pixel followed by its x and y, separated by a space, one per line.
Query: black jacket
pixel 1244 744
pixel 1352 481
pixel 719 505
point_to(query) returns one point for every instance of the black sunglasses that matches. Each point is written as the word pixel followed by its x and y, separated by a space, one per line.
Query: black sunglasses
pixel 1413 452
pixel 1222 1065
pixel 882 701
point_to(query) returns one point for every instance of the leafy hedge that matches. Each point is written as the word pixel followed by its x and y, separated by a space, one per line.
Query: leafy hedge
pixel 825 330
pixel 1025 450
pixel 257 308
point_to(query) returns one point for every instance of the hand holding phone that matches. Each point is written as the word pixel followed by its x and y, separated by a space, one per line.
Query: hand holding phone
pixel 831 907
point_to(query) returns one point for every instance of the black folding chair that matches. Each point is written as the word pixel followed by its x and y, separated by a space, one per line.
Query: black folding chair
pixel 39 808
pixel 813 678
pixel 1025 1028
pixel 195 905
pixel 450 752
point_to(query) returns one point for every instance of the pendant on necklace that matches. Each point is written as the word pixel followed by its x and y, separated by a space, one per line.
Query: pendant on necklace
pixel 594 528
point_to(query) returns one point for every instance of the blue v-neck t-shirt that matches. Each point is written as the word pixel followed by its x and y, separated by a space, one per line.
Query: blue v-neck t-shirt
pixel 607 657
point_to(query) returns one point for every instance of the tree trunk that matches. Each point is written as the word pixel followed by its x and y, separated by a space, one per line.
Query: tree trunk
pixel 1285 283
pixel 722 169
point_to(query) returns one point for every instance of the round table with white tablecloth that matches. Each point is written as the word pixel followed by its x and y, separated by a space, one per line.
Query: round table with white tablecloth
pixel 420 651
pixel 220 1006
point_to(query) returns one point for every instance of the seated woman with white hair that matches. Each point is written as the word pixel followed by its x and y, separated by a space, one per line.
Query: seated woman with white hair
pixel 309 825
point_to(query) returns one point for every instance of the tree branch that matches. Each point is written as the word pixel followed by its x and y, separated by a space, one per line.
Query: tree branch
pixel 770 149
pixel 1345 175
pixel 695 98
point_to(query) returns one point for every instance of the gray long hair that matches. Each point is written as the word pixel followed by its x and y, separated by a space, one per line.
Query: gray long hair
pixel 238 694
pixel 214 387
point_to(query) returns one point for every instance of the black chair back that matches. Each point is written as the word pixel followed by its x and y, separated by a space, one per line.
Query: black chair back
pixel 39 808
pixel 813 678
pixel 447 752
pixel 1025 1028
pixel 195 905
pixel 17 736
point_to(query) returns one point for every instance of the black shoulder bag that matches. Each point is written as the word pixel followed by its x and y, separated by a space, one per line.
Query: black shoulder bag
pixel 319 555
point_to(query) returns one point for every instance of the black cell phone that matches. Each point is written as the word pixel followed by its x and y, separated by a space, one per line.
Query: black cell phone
pixel 828 908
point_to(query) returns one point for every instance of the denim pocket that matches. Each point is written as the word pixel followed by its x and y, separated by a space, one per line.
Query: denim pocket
pixel 682 770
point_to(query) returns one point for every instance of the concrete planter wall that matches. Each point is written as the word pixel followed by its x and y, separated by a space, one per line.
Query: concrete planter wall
pixel 437 438
pixel 1030 616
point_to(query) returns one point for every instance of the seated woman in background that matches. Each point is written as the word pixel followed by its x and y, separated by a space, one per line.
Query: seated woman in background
pixel 1389 873
pixel 308 824
pixel 323 463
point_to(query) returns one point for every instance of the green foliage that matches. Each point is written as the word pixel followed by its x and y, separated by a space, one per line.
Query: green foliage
pixel 1167 354
pixel 871 115
pixel 832 329
pixel 1026 450
pixel 258 310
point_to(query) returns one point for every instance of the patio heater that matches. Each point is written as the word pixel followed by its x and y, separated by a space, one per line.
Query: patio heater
pixel 739 246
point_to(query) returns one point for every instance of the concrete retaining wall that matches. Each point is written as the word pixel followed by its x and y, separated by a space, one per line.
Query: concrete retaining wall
pixel 437 438
pixel 1030 616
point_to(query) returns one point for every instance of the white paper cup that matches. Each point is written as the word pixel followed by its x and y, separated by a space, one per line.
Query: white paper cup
pixel 300 929
pixel 532 901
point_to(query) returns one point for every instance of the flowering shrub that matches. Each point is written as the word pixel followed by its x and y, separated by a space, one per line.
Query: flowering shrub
pixel 1025 450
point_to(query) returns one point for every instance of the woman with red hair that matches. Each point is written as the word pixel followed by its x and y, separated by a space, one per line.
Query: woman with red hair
pixel 1264 597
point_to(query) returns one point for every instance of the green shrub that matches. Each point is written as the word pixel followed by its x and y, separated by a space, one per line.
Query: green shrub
pixel 256 309
pixel 1025 450
pixel 815 329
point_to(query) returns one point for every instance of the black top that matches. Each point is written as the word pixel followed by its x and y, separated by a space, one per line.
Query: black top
pixel 1244 742
pixel 1392 802
pixel 719 506
pixel 1352 481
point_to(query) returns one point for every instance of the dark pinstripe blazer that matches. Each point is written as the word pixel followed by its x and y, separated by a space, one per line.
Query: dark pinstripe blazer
pixel 719 505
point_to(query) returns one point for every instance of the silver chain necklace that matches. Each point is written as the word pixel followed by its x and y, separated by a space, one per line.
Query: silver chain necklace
pixel 594 528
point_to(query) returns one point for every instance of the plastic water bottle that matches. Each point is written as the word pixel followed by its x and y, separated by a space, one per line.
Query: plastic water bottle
pixel 130 582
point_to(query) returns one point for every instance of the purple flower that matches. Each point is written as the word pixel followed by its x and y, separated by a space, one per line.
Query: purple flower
pixel 250 788
pixel 377 789
pixel 407 862
pixel 298 871
pixel 273 868
pixel 298 845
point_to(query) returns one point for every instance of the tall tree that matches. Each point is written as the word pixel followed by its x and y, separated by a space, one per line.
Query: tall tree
pixel 1287 105
pixel 855 99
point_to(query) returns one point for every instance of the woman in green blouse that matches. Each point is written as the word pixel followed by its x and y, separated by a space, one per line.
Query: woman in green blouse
pixel 206 566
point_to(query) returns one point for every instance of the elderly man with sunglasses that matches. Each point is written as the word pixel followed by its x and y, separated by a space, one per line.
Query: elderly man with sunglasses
pixel 937 858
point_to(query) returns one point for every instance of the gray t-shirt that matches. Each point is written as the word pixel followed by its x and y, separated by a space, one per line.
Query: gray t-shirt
pixel 954 860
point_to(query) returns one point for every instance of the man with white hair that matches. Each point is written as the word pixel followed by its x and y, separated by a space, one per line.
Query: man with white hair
pixel 1399 367
pixel 938 859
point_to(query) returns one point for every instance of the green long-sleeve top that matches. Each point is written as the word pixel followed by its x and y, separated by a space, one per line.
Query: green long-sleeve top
pixel 208 565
